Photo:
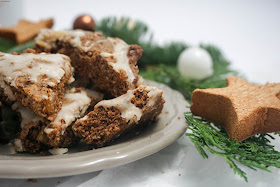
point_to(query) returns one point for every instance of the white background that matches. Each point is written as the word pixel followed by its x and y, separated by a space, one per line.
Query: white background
pixel 248 32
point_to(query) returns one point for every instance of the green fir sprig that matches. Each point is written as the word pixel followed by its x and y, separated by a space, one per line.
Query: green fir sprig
pixel 9 46
pixel 255 152
pixel 20 48
pixel 5 45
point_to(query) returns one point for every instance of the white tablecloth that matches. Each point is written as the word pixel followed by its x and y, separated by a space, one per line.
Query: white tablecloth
pixel 248 33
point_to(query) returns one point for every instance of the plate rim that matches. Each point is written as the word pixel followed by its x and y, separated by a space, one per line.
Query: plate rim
pixel 85 161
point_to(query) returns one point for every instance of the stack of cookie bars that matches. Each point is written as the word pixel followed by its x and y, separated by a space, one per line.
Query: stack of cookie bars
pixel 58 89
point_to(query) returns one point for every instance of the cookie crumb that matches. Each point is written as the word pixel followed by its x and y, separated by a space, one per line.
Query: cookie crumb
pixel 179 117
pixel 42 153
pixel 166 112
pixel 31 180
pixel 179 174
pixel 166 124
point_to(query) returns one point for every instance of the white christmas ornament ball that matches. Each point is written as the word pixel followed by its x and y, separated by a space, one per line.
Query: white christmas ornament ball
pixel 195 63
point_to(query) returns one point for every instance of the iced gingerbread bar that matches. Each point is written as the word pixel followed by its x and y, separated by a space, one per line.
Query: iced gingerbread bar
pixel 37 131
pixel 37 81
pixel 109 62
pixel 111 118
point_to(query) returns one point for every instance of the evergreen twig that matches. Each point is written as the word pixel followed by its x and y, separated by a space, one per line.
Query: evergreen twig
pixel 255 152
pixel 9 46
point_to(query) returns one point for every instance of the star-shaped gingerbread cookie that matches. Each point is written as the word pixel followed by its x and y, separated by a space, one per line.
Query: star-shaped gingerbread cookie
pixel 242 108
pixel 24 30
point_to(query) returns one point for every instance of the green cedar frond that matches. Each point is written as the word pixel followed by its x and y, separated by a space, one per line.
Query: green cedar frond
pixel 125 28
pixel 20 48
pixel 255 152
pixel 8 46
pixel 5 45
pixel 166 54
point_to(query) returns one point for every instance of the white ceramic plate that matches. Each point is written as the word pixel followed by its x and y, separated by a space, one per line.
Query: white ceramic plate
pixel 170 126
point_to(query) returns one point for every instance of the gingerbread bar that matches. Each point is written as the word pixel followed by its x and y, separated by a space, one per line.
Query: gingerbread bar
pixel 25 30
pixel 109 62
pixel 37 132
pixel 75 104
pixel 37 81
pixel 111 118
pixel 31 126
pixel 242 108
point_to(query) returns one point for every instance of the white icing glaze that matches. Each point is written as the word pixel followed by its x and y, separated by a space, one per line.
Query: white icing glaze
pixel 7 89
pixel 120 55
pixel 72 79
pixel 140 81
pixel 58 151
pixel 54 66
pixel 123 103
pixel 18 145
pixel 47 37
pixel 74 38
pixel 51 84
pixel 95 95
pixel 44 96
pixel 153 94
pixel 48 130
pixel 76 105
pixel 26 114
pixel 84 118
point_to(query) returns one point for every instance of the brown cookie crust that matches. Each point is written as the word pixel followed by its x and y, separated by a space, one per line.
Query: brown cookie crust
pixel 104 124
pixel 91 65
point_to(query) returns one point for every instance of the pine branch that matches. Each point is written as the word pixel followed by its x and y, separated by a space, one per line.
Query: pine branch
pixel 167 54
pixel 5 45
pixel 20 48
pixel 8 46
pixel 125 28
pixel 255 152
